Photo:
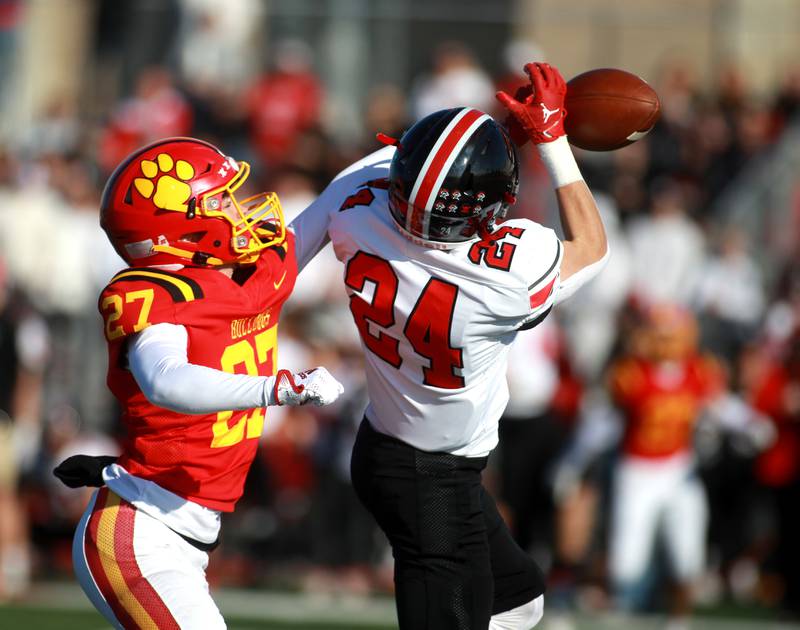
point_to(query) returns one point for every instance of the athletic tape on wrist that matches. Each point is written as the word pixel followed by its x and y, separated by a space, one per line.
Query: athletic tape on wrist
pixel 559 161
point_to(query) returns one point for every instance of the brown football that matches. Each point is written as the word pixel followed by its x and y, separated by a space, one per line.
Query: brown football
pixel 608 109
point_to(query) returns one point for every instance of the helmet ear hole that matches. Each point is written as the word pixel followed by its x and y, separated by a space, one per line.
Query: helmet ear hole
pixel 192 237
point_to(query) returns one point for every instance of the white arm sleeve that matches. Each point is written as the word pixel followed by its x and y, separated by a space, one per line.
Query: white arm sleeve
pixel 310 227
pixel 158 361
pixel 568 287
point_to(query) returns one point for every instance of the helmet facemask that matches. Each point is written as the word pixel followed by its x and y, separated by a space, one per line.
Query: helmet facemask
pixel 257 222
pixel 448 224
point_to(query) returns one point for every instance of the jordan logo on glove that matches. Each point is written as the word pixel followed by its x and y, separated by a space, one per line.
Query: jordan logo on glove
pixel 545 92
pixel 548 112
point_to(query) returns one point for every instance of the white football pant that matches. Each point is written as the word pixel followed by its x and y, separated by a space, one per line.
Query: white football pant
pixel 657 498
pixel 139 573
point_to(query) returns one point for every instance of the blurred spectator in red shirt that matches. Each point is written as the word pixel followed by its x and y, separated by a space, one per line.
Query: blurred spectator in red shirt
pixel 156 110
pixel 284 103
pixel 777 393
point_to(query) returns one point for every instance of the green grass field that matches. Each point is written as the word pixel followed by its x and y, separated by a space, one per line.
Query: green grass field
pixel 22 617
pixel 37 618
pixel 62 606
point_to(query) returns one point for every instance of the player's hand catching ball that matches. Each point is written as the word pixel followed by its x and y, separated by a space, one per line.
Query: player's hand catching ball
pixel 316 386
pixel 537 109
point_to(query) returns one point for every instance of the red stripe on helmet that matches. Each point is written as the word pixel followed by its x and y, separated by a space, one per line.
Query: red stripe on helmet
pixel 443 156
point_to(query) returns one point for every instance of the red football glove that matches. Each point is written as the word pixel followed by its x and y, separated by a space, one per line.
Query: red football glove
pixel 518 135
pixel 538 109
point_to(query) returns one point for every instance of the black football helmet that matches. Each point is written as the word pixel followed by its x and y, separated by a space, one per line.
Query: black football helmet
pixel 454 173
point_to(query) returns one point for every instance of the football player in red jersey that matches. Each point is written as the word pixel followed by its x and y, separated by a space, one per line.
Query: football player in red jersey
pixel 438 293
pixel 663 387
pixel 192 331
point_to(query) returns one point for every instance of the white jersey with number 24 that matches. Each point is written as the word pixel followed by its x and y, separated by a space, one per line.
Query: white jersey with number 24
pixel 436 325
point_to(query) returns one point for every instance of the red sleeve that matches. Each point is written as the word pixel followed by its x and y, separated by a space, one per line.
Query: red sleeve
pixel 768 394
pixel 625 381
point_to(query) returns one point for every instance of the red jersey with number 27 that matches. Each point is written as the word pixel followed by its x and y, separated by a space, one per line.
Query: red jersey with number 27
pixel 231 327
pixel 662 402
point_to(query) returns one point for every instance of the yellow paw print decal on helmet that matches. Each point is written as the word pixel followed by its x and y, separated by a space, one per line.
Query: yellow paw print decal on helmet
pixel 168 192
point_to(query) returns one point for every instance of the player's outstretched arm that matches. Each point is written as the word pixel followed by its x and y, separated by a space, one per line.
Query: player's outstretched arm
pixel 195 389
pixel 316 386
pixel 537 113
pixel 310 227
pixel 158 361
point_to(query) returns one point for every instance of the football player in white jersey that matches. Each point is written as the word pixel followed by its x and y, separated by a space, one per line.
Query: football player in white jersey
pixel 438 293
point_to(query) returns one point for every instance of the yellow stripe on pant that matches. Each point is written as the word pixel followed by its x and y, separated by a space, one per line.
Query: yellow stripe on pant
pixel 107 548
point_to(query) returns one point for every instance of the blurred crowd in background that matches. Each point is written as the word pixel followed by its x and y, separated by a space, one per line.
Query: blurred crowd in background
pixel 686 273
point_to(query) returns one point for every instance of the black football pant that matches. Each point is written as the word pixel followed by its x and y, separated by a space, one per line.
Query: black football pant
pixel 456 563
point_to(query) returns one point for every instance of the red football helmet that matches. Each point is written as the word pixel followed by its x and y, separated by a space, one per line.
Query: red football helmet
pixel 164 204
pixel 668 332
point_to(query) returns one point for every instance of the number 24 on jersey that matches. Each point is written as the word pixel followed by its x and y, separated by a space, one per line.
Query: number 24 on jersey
pixel 427 328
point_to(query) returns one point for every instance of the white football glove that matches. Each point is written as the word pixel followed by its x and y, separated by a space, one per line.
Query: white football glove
pixel 316 386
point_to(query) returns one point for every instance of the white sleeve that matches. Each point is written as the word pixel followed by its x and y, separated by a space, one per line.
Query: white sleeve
pixel 310 227
pixel 568 287
pixel 158 361
pixel 543 289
